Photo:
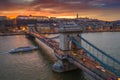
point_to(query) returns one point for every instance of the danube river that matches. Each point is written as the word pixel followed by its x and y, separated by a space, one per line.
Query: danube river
pixel 37 65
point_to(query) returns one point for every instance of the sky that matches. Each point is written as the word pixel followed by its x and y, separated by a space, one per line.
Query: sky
pixel 96 9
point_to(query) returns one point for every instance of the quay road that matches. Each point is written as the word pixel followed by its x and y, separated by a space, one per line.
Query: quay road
pixel 79 56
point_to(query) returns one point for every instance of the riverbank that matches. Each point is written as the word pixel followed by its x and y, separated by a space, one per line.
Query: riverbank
pixel 85 31
pixel 95 31
pixel 12 33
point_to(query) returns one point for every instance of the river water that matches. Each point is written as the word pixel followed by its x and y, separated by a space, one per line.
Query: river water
pixel 37 65
pixel 106 41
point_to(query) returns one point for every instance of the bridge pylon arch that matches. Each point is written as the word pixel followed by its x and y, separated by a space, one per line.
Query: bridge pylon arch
pixel 66 45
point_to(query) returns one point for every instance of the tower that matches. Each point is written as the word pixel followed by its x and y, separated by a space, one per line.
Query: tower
pixel 77 16
pixel 67 46
pixel 66 30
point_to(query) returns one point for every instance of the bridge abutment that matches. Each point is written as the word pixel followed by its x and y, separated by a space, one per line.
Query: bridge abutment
pixel 29 36
pixel 63 66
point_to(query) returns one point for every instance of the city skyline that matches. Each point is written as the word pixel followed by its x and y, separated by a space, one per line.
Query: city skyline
pixel 99 9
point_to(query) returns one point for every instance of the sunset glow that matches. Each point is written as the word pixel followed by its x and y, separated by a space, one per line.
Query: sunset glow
pixel 99 9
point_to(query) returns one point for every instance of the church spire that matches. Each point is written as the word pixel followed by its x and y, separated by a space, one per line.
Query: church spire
pixel 77 16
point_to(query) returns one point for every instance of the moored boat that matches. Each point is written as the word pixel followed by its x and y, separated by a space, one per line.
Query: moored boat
pixel 23 49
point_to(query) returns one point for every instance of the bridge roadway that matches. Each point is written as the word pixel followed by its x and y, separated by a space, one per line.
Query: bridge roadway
pixel 78 58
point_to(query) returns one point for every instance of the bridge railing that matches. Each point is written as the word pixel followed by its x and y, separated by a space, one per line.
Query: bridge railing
pixel 100 54
pixel 95 57
pixel 56 37
pixel 49 42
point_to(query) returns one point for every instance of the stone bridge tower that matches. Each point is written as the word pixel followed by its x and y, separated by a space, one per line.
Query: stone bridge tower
pixel 65 32
pixel 67 45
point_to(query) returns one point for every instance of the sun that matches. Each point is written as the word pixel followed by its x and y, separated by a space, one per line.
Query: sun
pixel 11 17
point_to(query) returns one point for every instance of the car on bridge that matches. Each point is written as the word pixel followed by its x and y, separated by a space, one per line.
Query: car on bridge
pixel 118 78
pixel 101 68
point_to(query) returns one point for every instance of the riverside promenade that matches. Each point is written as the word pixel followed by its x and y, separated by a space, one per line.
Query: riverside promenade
pixel 12 33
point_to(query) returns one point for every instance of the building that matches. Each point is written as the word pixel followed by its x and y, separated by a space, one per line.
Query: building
pixel 6 24
pixel 2 23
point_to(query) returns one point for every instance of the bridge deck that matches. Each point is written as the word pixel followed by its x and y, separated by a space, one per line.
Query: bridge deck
pixel 80 58
pixel 107 70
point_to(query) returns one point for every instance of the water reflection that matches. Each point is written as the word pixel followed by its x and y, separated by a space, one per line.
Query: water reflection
pixel 33 65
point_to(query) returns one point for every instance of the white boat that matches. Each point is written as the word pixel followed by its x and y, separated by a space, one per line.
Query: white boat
pixel 23 49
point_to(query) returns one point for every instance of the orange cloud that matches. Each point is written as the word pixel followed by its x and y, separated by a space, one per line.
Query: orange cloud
pixel 101 9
